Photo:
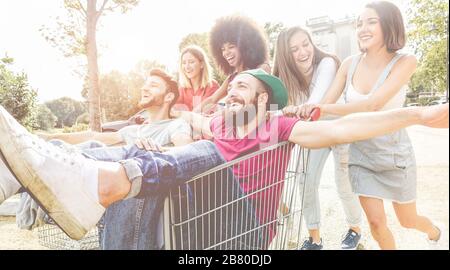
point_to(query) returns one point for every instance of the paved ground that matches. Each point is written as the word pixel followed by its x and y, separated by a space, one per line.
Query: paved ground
pixel 432 154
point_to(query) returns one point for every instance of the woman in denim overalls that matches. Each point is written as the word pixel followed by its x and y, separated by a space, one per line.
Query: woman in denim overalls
pixel 382 168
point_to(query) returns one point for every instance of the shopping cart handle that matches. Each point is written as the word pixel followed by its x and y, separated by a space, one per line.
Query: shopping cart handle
pixel 315 114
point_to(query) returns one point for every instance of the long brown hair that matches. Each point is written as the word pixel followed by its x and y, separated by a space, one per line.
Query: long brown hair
pixel 286 69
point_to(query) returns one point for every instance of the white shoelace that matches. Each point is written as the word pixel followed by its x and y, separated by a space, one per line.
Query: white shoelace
pixel 64 153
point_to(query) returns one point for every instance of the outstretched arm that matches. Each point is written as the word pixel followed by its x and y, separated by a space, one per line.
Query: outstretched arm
pixel 400 75
pixel 109 138
pixel 362 126
pixel 332 93
pixel 337 86
pixel 199 123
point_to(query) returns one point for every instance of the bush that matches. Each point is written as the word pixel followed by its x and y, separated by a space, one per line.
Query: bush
pixel 16 96
pixel 76 128
pixel 45 119
pixel 66 110
pixel 83 119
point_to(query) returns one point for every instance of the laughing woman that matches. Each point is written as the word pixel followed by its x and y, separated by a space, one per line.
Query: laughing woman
pixel 237 43
pixel 382 168
pixel 307 73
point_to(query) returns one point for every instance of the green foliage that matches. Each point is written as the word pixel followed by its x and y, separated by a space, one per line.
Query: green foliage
pixel 16 95
pixel 83 119
pixel 429 36
pixel 69 34
pixel 273 30
pixel 121 5
pixel 66 110
pixel 75 36
pixel 45 119
pixel 199 39
pixel 76 128
pixel 115 96
pixel 120 93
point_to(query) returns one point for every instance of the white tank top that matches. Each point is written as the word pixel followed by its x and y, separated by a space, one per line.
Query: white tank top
pixel 352 95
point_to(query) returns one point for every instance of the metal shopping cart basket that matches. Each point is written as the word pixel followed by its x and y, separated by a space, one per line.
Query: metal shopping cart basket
pixel 218 210
pixel 52 237
pixel 213 211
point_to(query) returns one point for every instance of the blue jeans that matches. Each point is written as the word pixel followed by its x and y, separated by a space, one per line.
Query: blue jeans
pixel 132 223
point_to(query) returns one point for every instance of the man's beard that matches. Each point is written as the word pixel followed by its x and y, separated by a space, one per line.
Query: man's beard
pixel 152 102
pixel 243 116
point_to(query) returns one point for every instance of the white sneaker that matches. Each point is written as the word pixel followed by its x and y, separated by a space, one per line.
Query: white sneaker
pixel 56 178
pixel 438 244
pixel 8 183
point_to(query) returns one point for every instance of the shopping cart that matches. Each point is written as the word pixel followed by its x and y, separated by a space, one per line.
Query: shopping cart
pixel 52 237
pixel 213 210
pixel 216 210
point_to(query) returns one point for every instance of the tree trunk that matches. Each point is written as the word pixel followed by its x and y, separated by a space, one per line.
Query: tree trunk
pixel 91 49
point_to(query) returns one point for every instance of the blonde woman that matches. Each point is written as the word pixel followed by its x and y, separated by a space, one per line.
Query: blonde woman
pixel 307 73
pixel 196 82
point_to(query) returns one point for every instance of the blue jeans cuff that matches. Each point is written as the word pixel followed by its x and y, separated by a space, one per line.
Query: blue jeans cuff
pixel 134 174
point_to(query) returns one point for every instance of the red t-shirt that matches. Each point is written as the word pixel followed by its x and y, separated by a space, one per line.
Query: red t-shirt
pixel 262 170
pixel 187 94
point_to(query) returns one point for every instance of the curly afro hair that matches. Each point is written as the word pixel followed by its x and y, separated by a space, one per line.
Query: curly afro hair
pixel 243 32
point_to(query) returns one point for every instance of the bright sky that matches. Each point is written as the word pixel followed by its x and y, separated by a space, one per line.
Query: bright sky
pixel 150 31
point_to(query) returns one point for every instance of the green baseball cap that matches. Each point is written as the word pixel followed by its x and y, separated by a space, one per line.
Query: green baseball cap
pixel 276 86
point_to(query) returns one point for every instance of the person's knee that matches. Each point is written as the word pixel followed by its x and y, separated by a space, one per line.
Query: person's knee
pixel 133 150
pixel 345 192
pixel 377 223
pixel 408 222
pixel 208 148
pixel 204 143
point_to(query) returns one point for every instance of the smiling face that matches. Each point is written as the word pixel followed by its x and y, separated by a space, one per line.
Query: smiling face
pixel 245 93
pixel 369 31
pixel 191 66
pixel 153 92
pixel 232 54
pixel 302 51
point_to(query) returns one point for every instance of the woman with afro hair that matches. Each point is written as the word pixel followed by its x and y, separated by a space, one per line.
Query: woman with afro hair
pixel 237 43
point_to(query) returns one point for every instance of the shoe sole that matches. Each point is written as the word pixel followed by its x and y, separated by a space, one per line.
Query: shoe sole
pixel 38 190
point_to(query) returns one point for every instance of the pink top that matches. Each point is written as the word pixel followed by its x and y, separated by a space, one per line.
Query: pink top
pixel 187 94
pixel 261 170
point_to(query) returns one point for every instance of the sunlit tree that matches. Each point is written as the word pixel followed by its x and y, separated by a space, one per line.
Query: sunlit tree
pixel 75 35
pixel 428 21
pixel 16 95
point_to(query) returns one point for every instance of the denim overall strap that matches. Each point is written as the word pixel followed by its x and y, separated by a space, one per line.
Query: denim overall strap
pixel 386 72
